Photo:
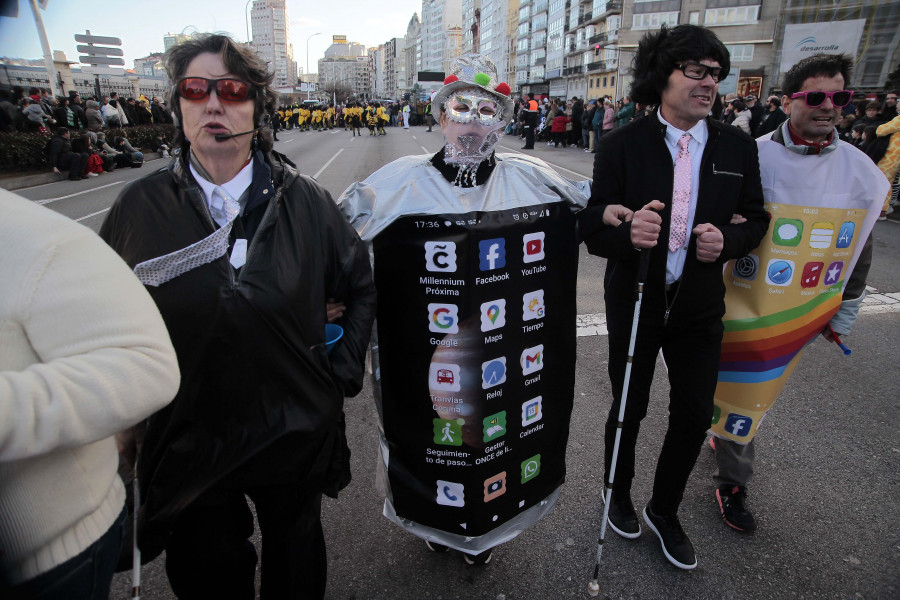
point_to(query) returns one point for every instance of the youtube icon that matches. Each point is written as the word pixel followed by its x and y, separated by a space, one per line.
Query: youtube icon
pixel 533 247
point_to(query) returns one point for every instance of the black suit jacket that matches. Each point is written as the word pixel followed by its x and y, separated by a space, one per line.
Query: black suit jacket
pixel 633 166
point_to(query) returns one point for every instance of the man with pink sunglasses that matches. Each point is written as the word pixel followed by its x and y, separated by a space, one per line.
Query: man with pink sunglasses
pixel 804 164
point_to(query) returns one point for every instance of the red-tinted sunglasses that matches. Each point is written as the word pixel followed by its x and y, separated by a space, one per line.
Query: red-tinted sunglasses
pixel 228 90
pixel 813 99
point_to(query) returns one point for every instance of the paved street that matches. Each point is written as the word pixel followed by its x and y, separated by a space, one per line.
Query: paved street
pixel 825 493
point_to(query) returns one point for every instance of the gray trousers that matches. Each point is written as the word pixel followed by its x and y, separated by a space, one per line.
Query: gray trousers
pixel 734 463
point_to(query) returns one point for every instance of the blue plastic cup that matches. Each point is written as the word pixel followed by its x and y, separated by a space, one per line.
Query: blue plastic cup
pixel 333 333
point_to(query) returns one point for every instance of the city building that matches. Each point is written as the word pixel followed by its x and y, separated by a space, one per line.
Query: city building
pixel 412 50
pixel 271 38
pixel 441 34
pixel 489 28
pixel 150 65
pixel 395 68
pixel 591 45
pixel 173 39
pixel 346 65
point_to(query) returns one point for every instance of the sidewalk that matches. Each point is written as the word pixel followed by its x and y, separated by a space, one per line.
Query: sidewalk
pixel 17 182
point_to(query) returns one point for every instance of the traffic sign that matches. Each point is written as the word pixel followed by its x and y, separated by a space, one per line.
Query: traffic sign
pixel 100 50
pixel 101 60
pixel 97 39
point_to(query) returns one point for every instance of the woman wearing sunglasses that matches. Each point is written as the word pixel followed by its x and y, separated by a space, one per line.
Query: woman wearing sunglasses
pixel 241 254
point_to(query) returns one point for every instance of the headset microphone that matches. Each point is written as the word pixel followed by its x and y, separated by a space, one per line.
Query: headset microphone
pixel 221 137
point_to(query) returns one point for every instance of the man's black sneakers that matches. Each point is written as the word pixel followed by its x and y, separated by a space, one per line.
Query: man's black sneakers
pixel 675 543
pixel 734 512
pixel 622 517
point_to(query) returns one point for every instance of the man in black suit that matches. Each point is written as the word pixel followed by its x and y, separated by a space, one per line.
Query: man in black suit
pixel 677 161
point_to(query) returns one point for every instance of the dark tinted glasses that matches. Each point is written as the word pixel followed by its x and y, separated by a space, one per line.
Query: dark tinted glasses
pixel 229 90
pixel 695 70
pixel 813 99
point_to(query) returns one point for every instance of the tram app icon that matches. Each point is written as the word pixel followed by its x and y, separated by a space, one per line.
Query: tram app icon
pixel 450 493
pixel 532 411
pixel 440 257
pixel 495 486
pixel 493 315
pixel 444 377
pixel 493 372
pixel 533 247
pixel 746 267
pixel 443 318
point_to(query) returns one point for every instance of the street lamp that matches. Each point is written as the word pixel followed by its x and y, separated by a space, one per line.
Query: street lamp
pixel 307 61
pixel 246 20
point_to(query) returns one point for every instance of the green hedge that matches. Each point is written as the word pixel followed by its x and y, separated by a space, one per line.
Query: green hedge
pixel 25 151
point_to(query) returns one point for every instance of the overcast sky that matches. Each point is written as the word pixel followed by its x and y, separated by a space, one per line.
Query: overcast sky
pixel 141 25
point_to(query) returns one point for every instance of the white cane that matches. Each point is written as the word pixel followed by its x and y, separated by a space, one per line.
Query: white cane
pixel 643 265
pixel 135 551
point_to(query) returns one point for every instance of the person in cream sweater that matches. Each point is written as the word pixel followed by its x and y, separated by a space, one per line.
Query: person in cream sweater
pixel 84 354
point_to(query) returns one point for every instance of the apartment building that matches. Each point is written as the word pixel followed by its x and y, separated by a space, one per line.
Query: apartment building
pixel 271 38
pixel 347 65
pixel 489 28
pixel 412 51
pixel 441 33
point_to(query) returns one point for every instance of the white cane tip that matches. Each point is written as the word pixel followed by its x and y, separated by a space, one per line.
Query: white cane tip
pixel 593 588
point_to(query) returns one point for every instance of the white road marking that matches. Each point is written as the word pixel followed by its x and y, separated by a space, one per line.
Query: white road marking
pixel 49 200
pixel 99 212
pixel 331 160
pixel 424 149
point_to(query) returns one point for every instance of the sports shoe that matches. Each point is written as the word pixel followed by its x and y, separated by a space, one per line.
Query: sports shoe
pixel 674 541
pixel 435 547
pixel 731 503
pixel 478 559
pixel 622 517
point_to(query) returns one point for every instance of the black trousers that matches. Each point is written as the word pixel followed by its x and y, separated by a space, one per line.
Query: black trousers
pixel 691 347
pixel 75 162
pixel 209 554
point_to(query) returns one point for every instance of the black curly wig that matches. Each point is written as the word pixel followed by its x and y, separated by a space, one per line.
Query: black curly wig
pixel 659 53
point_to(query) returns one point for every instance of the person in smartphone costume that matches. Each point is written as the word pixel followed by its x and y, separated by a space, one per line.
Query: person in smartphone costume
pixel 473 355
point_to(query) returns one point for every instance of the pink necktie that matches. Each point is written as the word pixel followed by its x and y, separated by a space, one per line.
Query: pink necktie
pixel 681 195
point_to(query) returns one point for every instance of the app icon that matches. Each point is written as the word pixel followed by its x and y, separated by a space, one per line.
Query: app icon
pixel 738 425
pixel 494 426
pixel 443 318
pixel 812 271
pixel 531 467
pixel 440 256
pixel 493 372
pixel 532 411
pixel 451 494
pixel 787 232
pixel 820 235
pixel 533 305
pixel 491 254
pixel 533 247
pixel 493 315
pixel 495 486
pixel 444 377
pixel 833 274
pixel 532 359
pixel 845 235
pixel 746 267
pixel 717 414
pixel 448 432
pixel 780 272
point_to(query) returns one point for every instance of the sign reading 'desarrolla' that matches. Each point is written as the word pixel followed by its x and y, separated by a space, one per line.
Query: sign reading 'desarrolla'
pixel 476 327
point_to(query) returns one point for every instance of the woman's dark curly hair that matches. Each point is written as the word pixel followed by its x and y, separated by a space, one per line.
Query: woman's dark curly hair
pixel 241 61
pixel 659 53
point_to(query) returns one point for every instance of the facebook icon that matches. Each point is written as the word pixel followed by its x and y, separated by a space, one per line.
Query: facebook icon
pixel 492 254
pixel 738 425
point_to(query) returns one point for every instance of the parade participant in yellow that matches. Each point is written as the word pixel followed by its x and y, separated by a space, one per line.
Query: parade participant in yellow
pixel 316 118
pixel 329 116
pixel 383 117
pixel 297 116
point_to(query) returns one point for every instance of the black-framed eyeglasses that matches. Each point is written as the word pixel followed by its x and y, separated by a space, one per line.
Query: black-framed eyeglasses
pixel 229 90
pixel 815 98
pixel 695 70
